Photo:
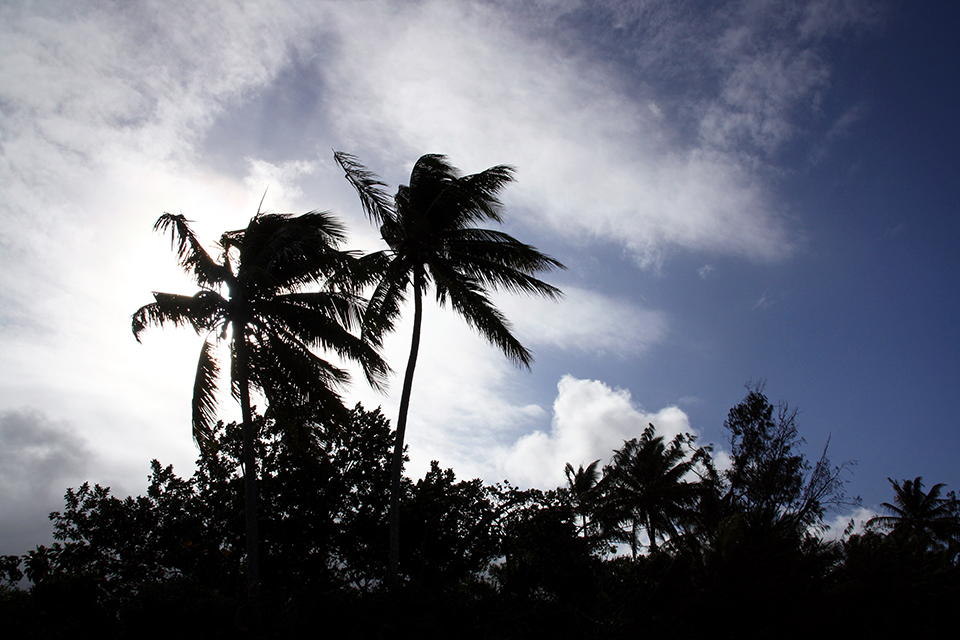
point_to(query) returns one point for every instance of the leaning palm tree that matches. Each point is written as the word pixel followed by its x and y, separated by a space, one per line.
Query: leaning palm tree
pixel 920 516
pixel 429 227
pixel 255 292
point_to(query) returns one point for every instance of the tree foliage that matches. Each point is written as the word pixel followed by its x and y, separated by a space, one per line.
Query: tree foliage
pixel 481 561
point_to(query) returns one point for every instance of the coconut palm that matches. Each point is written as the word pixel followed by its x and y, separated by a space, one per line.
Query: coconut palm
pixel 255 292
pixel 429 228
pixel 645 488
pixel 921 516
pixel 582 486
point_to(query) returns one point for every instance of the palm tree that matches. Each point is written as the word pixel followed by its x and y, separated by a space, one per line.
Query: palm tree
pixel 920 516
pixel 644 488
pixel 256 291
pixel 429 227
pixel 582 485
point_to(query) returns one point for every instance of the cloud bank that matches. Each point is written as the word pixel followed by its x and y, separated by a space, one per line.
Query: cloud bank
pixel 590 420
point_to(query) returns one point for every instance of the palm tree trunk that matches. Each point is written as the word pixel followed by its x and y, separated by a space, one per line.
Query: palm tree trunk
pixel 393 567
pixel 249 473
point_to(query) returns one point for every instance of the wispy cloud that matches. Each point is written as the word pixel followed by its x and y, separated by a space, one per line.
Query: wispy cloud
pixel 586 321
pixel 593 158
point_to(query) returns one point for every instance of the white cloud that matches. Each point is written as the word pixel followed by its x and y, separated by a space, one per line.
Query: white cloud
pixel 591 159
pixel 585 321
pixel 590 421
pixel 280 182
pixel 837 526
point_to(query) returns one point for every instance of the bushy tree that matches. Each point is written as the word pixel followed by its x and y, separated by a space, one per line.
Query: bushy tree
pixel 770 482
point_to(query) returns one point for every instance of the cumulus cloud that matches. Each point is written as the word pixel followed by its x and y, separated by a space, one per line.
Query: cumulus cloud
pixel 590 421
pixel 840 524
pixel 39 458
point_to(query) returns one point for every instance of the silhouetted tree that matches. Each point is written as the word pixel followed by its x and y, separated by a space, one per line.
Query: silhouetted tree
pixel 543 557
pixel 256 291
pixel 754 538
pixel 920 516
pixel 770 481
pixel 174 554
pixel 449 526
pixel 582 487
pixel 650 487
pixel 429 229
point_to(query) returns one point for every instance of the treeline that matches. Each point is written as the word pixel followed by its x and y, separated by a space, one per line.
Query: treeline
pixel 657 542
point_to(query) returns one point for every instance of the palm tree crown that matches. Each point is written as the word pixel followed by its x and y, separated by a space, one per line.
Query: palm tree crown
pixel 919 515
pixel 645 487
pixel 256 289
pixel 582 488
pixel 430 228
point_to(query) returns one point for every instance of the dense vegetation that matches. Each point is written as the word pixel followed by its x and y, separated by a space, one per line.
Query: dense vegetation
pixel 701 551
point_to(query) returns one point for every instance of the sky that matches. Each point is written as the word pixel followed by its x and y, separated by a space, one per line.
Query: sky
pixel 741 191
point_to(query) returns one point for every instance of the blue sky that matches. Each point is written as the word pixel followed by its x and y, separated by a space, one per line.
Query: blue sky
pixel 740 191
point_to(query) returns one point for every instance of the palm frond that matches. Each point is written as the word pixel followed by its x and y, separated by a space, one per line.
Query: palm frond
pixel 202 311
pixel 190 254
pixel 357 274
pixel 374 199
pixel 486 246
pixel 477 194
pixel 457 203
pixel 302 309
pixel 288 253
pixel 383 307
pixel 205 399
pixel 320 320
pixel 290 375
pixel 496 275
pixel 469 300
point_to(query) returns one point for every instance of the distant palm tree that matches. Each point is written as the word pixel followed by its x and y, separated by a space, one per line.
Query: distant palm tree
pixel 645 488
pixel 256 291
pixel 918 515
pixel 429 227
pixel 582 485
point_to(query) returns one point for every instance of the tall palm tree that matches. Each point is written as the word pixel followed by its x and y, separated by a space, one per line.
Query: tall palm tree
pixel 918 515
pixel 256 291
pixel 645 488
pixel 429 227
